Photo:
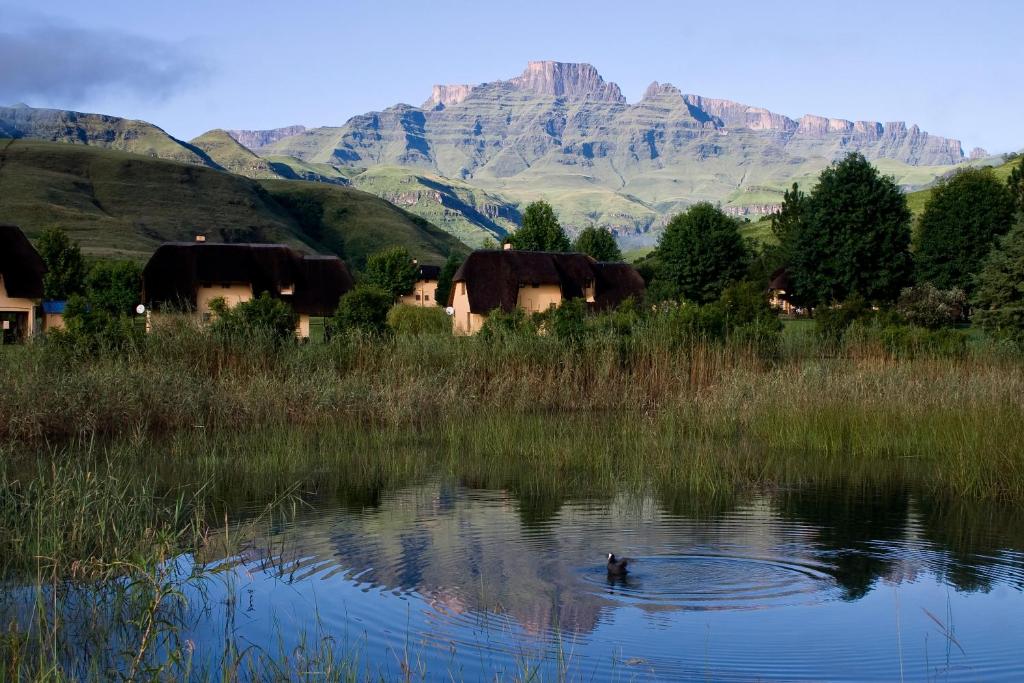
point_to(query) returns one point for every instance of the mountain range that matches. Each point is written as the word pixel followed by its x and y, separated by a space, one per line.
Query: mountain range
pixel 472 155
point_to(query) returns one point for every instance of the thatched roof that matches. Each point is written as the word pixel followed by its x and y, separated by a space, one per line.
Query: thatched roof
pixel 20 264
pixel 429 273
pixel 177 269
pixel 779 280
pixel 493 277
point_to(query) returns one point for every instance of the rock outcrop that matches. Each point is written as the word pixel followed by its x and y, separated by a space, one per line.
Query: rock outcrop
pixel 446 95
pixel 258 139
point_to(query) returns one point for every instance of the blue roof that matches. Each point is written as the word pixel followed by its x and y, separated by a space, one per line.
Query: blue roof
pixel 54 307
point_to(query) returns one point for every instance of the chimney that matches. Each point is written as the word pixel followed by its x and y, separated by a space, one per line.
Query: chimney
pixel 507 246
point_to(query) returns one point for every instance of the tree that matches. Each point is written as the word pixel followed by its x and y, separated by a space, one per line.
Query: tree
pixel 852 237
pixel 961 221
pixel 599 244
pixel 392 270
pixel 114 286
pixel 999 295
pixel 444 280
pixel 1016 184
pixel 540 230
pixel 701 252
pixel 364 309
pixel 786 222
pixel 65 267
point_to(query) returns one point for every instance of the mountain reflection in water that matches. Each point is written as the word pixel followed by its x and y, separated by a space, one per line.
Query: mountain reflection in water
pixel 793 584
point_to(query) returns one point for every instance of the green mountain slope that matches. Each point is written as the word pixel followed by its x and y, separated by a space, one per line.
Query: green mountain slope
pixel 225 151
pixel 98 130
pixel 360 223
pixel 471 214
pixel 124 205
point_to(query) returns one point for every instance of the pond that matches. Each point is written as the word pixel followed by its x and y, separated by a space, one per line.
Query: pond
pixel 440 580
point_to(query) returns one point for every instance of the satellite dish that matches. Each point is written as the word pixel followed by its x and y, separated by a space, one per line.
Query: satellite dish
pixel 450 310
pixel 140 309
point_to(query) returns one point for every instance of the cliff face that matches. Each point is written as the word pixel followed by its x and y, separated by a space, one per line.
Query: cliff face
pixel 562 132
pixel 257 139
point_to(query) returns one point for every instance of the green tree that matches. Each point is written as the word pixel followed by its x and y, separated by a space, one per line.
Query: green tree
pixel 263 316
pixel 961 221
pixel 853 237
pixel 444 280
pixel 114 286
pixel 364 310
pixel 540 231
pixel 786 223
pixel 701 252
pixel 999 295
pixel 1016 184
pixel 392 270
pixel 65 266
pixel 598 243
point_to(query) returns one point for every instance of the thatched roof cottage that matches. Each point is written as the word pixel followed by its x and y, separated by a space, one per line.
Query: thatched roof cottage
pixel 535 281
pixel 187 276
pixel 21 285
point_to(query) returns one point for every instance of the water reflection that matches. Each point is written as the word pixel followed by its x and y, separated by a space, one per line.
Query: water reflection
pixel 789 584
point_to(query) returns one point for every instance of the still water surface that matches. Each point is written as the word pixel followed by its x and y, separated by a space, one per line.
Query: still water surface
pixel 471 584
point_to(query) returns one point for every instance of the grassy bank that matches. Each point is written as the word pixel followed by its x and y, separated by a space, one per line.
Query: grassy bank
pixel 952 420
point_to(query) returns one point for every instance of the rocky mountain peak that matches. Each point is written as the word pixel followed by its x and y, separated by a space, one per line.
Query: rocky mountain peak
pixel 736 115
pixel 568 80
pixel 657 89
pixel 447 95
pixel 255 139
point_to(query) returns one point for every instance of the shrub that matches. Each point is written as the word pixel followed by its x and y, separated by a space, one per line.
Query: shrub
pixel 832 322
pixel 417 320
pixel 91 329
pixel 928 306
pixel 500 325
pixel 363 310
pixel 569 321
pixel 263 318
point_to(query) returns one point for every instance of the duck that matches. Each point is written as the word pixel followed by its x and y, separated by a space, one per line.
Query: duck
pixel 617 565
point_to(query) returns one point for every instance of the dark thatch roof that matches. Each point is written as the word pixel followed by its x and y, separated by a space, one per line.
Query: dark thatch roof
pixel 20 264
pixel 177 269
pixel 779 280
pixel 493 277
pixel 429 273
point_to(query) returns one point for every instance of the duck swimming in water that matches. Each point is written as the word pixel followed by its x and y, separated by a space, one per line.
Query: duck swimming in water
pixel 617 565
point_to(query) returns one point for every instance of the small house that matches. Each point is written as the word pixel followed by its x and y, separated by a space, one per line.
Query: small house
pixel 21 285
pixel 779 288
pixel 189 276
pixel 424 292
pixel 535 281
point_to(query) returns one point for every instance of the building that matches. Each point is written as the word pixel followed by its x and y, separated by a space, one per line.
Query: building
pixel 188 276
pixel 21 285
pixel 779 286
pixel 425 290
pixel 535 281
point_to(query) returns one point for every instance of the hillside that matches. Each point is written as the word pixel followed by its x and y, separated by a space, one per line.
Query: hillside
pixel 124 205
pixel 469 213
pixel 560 132
pixel 228 154
pixel 98 130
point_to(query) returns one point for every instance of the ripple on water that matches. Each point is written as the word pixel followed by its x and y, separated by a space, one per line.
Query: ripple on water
pixel 713 582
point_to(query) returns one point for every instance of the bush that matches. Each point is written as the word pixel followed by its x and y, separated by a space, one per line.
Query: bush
pixel 91 329
pixel 363 310
pixel 419 320
pixel 832 322
pixel 928 306
pixel 569 321
pixel 905 340
pixel 392 270
pixel 263 318
pixel 500 325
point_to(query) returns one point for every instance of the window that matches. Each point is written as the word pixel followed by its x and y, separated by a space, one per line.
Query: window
pixel 417 297
pixel 426 297
pixel 463 287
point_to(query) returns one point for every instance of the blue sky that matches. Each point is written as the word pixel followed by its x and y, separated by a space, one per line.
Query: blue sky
pixel 954 68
